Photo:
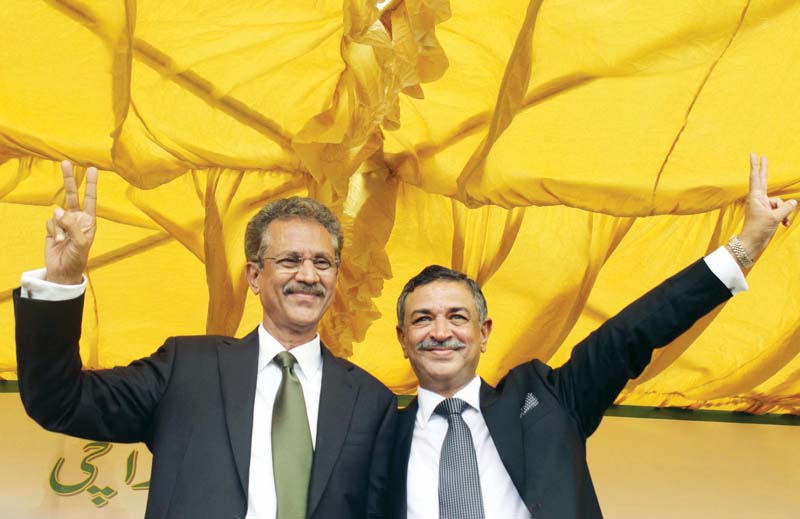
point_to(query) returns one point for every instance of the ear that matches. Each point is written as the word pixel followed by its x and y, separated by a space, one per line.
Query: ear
pixel 252 274
pixel 401 338
pixel 486 329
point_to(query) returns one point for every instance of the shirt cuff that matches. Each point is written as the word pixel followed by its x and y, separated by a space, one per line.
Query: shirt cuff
pixel 35 286
pixel 725 267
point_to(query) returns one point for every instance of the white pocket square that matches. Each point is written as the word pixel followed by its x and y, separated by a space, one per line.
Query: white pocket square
pixel 530 402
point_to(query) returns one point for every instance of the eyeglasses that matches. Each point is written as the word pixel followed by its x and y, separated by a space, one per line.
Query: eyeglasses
pixel 293 263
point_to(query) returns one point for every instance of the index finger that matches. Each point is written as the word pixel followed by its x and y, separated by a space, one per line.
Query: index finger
pixel 90 195
pixel 70 188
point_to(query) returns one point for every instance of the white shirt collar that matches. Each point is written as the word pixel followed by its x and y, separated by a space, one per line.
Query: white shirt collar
pixel 428 400
pixel 308 355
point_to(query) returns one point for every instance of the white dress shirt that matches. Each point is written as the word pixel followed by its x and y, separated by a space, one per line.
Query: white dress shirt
pixel 500 497
pixel 261 502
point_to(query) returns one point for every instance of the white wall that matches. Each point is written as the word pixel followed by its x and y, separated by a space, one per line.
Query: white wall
pixel 654 469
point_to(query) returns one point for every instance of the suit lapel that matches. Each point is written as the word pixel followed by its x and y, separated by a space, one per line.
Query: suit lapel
pixel 400 455
pixel 238 369
pixel 501 415
pixel 336 402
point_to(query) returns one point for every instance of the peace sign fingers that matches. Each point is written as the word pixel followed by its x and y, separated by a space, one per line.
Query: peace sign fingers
pixel 72 201
pixel 763 213
pixel 71 231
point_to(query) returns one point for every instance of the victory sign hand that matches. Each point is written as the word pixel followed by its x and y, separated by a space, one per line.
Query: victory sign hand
pixel 763 214
pixel 70 232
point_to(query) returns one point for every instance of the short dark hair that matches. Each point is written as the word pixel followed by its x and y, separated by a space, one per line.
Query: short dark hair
pixel 256 240
pixel 433 273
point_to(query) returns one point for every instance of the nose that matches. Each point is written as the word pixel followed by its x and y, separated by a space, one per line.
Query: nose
pixel 440 331
pixel 307 273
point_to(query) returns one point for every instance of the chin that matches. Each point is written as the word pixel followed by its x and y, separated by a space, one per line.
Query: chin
pixel 439 378
pixel 306 319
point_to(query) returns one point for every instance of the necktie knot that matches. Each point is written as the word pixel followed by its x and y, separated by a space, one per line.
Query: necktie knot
pixel 286 360
pixel 450 406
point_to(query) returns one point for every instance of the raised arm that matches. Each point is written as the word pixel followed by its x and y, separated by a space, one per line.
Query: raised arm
pixel 109 405
pixel 70 231
pixel 621 348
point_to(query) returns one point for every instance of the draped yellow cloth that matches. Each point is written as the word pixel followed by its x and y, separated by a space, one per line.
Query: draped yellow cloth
pixel 567 154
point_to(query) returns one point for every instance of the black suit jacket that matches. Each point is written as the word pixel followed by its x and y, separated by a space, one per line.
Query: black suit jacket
pixel 192 402
pixel 543 444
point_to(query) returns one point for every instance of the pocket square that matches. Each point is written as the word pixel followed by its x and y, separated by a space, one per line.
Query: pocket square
pixel 530 402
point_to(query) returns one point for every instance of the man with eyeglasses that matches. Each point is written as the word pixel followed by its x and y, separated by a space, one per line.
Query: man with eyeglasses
pixel 268 426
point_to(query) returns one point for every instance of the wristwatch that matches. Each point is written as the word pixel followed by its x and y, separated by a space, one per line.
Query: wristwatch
pixel 736 247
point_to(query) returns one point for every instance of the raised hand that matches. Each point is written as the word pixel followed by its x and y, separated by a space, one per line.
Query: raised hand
pixel 70 232
pixel 763 214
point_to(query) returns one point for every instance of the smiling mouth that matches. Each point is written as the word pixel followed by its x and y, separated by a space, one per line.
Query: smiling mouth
pixel 441 352
pixel 304 299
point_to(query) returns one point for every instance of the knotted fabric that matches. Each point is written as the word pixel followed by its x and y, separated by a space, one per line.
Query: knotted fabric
pixel 459 480
pixel 292 449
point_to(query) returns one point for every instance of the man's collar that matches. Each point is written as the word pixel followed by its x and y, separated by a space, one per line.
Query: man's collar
pixel 428 400
pixel 308 355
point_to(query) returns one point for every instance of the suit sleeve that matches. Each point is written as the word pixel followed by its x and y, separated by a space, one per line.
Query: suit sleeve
pixel 106 405
pixel 621 348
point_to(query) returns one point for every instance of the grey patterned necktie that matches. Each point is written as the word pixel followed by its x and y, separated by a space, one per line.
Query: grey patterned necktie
pixel 459 481
pixel 292 449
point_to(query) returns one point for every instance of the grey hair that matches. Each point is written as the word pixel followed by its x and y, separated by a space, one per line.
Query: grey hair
pixel 433 273
pixel 256 239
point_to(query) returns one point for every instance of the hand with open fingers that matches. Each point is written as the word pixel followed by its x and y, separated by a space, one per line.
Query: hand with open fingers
pixel 763 214
pixel 71 231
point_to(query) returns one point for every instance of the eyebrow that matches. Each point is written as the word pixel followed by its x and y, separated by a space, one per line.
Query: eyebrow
pixel 298 254
pixel 452 310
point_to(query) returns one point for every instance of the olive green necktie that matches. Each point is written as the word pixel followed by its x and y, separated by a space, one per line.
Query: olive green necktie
pixel 291 443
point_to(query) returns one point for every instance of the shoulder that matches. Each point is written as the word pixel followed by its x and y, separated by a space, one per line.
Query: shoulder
pixel 193 348
pixel 204 340
pixel 530 378
pixel 366 380
pixel 198 342
pixel 524 374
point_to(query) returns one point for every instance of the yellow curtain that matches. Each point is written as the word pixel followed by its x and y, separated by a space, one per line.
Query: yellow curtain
pixel 567 154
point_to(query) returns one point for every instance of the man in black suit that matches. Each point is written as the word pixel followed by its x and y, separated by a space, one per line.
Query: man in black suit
pixel 237 427
pixel 465 449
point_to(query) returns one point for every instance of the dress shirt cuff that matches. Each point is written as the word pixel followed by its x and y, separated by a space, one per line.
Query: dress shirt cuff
pixel 724 266
pixel 35 286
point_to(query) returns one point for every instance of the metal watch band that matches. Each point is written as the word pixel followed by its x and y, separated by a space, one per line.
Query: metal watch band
pixel 736 247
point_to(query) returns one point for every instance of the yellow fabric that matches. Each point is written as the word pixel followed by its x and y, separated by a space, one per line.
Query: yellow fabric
pixel 567 154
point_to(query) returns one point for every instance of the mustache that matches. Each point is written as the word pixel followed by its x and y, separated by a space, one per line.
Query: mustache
pixel 447 344
pixel 296 287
